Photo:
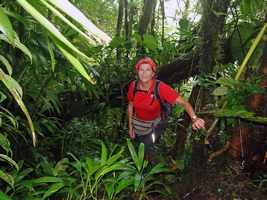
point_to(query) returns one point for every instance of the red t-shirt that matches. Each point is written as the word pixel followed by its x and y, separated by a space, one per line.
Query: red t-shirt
pixel 145 105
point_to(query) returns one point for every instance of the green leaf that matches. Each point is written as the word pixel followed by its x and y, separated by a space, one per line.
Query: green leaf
pixel 68 8
pixel 91 166
pixel 133 153
pixel 44 179
pixel 7 178
pixel 4 143
pixel 63 18
pixel 6 26
pixel 107 169
pixel 123 183
pixel 7 64
pixel 115 157
pixel 104 153
pixel 159 168
pixel 141 153
pixel 9 160
pixel 52 29
pixel 53 189
pixel 137 181
pixel 3 196
pixel 76 63
pixel 2 97
pixel 15 89
pixel 150 42
pixel 18 45
pixel 220 91
pixel 52 55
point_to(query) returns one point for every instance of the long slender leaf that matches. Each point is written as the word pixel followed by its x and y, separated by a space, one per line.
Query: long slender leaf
pixel 52 29
pixel 16 91
pixel 53 189
pixel 7 64
pixel 141 153
pixel 45 179
pixel 104 153
pixel 6 26
pixel 133 153
pixel 4 143
pixel 76 63
pixel 52 55
pixel 63 18
pixel 68 8
pixel 9 160
pixel 7 178
pixel 18 44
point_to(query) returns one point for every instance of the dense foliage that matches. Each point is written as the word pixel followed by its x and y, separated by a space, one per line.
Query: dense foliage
pixel 63 93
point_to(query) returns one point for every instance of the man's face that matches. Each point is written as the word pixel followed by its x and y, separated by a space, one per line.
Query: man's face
pixel 145 73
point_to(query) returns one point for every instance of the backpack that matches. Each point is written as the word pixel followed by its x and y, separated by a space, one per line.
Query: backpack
pixel 165 107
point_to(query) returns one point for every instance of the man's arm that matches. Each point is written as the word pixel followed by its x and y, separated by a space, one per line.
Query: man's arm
pixel 130 118
pixel 197 123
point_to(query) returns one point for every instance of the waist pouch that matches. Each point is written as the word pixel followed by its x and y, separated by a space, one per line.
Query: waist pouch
pixel 142 127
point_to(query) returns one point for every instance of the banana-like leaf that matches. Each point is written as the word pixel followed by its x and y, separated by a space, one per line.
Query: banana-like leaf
pixel 63 18
pixel 15 89
pixel 9 160
pixel 6 26
pixel 73 12
pixel 17 44
pixel 7 64
pixel 76 63
pixel 52 29
pixel 7 178
pixel 53 189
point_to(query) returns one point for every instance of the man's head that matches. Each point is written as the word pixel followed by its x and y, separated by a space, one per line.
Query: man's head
pixel 146 60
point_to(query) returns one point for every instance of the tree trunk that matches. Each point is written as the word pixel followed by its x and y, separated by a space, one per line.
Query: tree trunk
pixel 162 6
pixel 146 16
pixel 118 28
pixel 211 28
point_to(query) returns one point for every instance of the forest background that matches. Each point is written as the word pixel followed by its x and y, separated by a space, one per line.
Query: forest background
pixel 65 69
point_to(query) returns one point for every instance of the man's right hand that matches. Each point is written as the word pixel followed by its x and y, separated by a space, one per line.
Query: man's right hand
pixel 131 134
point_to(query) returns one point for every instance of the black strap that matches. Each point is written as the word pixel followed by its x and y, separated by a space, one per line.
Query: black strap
pixel 155 92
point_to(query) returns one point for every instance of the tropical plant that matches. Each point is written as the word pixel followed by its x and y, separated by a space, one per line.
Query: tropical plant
pixel 144 180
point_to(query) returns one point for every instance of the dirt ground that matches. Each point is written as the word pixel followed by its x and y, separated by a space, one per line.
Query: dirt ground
pixel 223 179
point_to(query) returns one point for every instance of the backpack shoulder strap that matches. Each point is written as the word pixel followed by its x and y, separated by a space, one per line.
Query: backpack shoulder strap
pixel 156 90
pixel 135 87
